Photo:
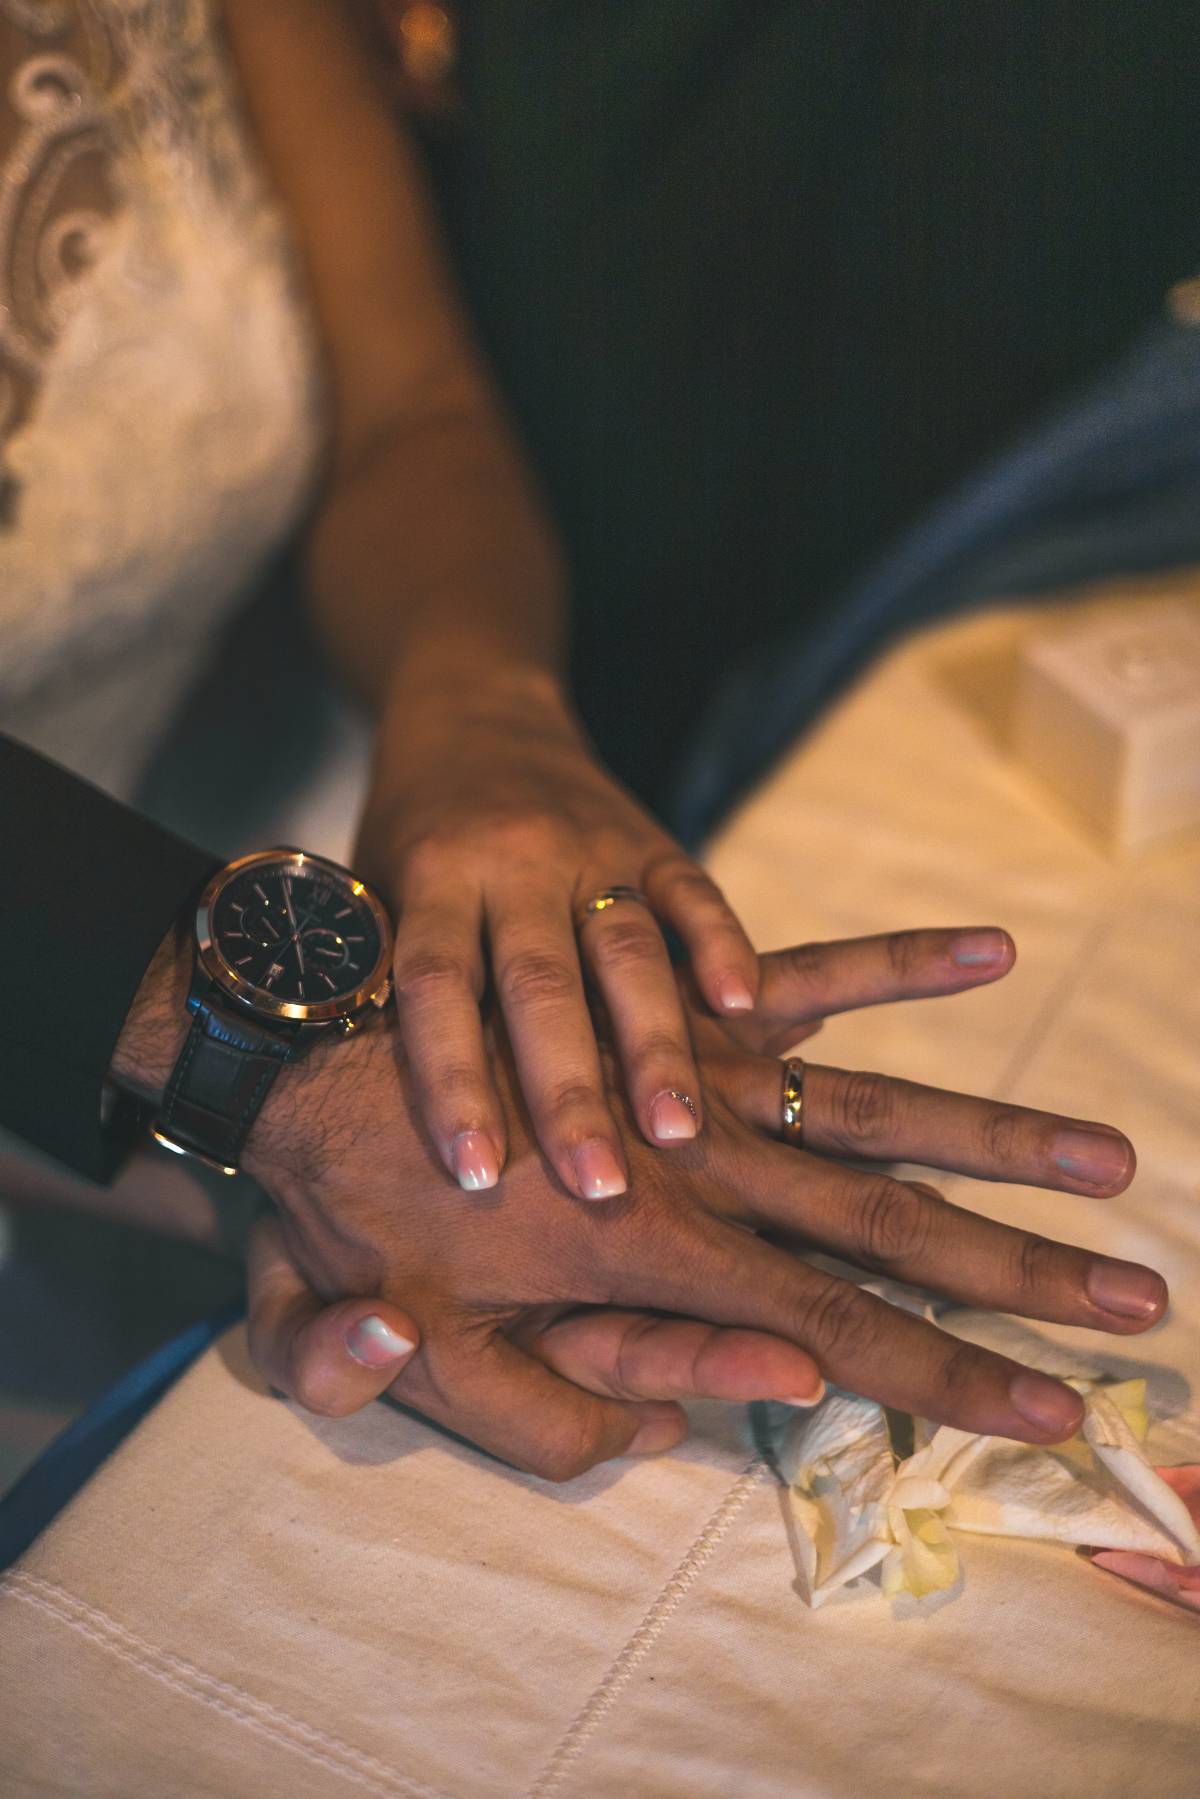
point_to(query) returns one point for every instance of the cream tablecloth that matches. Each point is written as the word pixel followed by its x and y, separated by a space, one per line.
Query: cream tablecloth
pixel 249 1603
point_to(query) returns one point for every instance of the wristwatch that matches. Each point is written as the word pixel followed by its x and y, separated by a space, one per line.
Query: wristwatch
pixel 289 947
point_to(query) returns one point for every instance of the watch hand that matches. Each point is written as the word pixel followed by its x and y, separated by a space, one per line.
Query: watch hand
pixel 286 884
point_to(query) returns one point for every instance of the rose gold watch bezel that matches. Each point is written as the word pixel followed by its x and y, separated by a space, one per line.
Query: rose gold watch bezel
pixel 375 987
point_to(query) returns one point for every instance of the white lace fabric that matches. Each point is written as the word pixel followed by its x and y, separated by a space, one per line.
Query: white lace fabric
pixel 159 406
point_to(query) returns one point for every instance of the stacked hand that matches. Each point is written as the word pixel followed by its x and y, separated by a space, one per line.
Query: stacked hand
pixel 537 1320
pixel 489 828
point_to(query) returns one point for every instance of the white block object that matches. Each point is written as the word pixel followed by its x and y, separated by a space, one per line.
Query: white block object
pixel 1108 716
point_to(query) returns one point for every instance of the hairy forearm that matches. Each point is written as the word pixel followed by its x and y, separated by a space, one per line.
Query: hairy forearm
pixel 431 561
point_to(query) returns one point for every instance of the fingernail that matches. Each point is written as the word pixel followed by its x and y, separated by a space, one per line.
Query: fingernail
pixel 1126 1289
pixel 672 1116
pixel 1046 1403
pixel 1143 1570
pixel 1098 1158
pixel 374 1343
pixel 658 1431
pixel 809 1400
pixel 979 949
pixel 734 994
pixel 597 1171
pixel 475 1162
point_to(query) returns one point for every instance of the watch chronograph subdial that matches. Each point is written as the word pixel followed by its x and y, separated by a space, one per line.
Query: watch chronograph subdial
pixel 263 924
pixel 328 953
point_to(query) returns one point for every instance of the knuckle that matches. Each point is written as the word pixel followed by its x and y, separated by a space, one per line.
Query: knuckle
pixel 537 978
pixel 525 837
pixel 803 963
pixel 627 945
pixel 453 1082
pixel 1034 1266
pixel 661 1048
pixel 903 952
pixel 572 1095
pixel 838 1323
pixel 893 1223
pixel 425 976
pixel 958 1376
pixel 689 884
pixel 428 861
pixel 1000 1135
pixel 863 1110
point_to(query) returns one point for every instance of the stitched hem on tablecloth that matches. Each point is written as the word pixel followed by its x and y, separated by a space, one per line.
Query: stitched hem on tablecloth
pixel 352 1765
pixel 621 1670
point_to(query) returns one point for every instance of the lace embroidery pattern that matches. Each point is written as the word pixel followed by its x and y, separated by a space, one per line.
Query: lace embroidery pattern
pixel 160 393
pixel 141 81
pixel 60 125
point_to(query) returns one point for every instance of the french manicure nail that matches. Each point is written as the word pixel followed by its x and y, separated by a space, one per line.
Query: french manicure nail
pixel 374 1343
pixel 809 1400
pixel 979 949
pixel 475 1162
pixel 1046 1403
pixel 1126 1289
pixel 734 994
pixel 597 1171
pixel 1097 1158
pixel 672 1116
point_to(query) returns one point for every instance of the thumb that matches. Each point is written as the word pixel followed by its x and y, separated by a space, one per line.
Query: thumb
pixel 331 1359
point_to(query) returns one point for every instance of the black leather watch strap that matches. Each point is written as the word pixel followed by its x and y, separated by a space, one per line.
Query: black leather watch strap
pixel 223 1075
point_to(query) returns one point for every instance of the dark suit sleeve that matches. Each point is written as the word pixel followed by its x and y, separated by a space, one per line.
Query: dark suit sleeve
pixel 88 891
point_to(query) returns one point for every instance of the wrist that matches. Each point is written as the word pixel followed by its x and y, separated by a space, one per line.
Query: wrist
pixel 157 1022
pixel 456 676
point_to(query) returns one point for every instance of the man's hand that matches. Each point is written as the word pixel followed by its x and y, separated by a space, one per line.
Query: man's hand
pixel 366 1209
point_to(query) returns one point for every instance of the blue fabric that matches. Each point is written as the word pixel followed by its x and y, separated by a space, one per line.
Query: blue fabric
pixel 1109 485
pixel 74 1456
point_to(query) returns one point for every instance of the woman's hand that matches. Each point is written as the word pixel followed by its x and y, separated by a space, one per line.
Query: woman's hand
pixel 489 827
pixel 511 1295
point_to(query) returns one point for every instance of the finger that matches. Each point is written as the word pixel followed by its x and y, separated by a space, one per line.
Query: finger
pixel 624 949
pixel 535 962
pixel 332 1359
pixel 724 965
pixel 1180 1585
pixel 638 1355
pixel 909 1232
pixel 518 1409
pixel 868 1346
pixel 874 1117
pixel 438 972
pixel 813 980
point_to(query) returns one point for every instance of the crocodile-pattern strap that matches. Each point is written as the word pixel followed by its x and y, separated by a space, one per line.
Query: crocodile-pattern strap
pixel 224 1073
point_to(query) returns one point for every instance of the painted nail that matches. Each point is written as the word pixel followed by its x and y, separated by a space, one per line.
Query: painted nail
pixel 1046 1403
pixel 597 1171
pixel 980 949
pixel 475 1162
pixel 734 994
pixel 1144 1570
pixel 672 1116
pixel 809 1400
pixel 658 1431
pixel 1097 1158
pixel 374 1343
pixel 1126 1289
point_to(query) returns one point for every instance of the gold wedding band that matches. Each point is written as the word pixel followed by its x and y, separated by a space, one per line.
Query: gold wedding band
pixel 612 896
pixel 792 1126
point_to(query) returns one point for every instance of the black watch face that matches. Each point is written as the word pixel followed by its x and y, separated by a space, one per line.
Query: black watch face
pixel 297 931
